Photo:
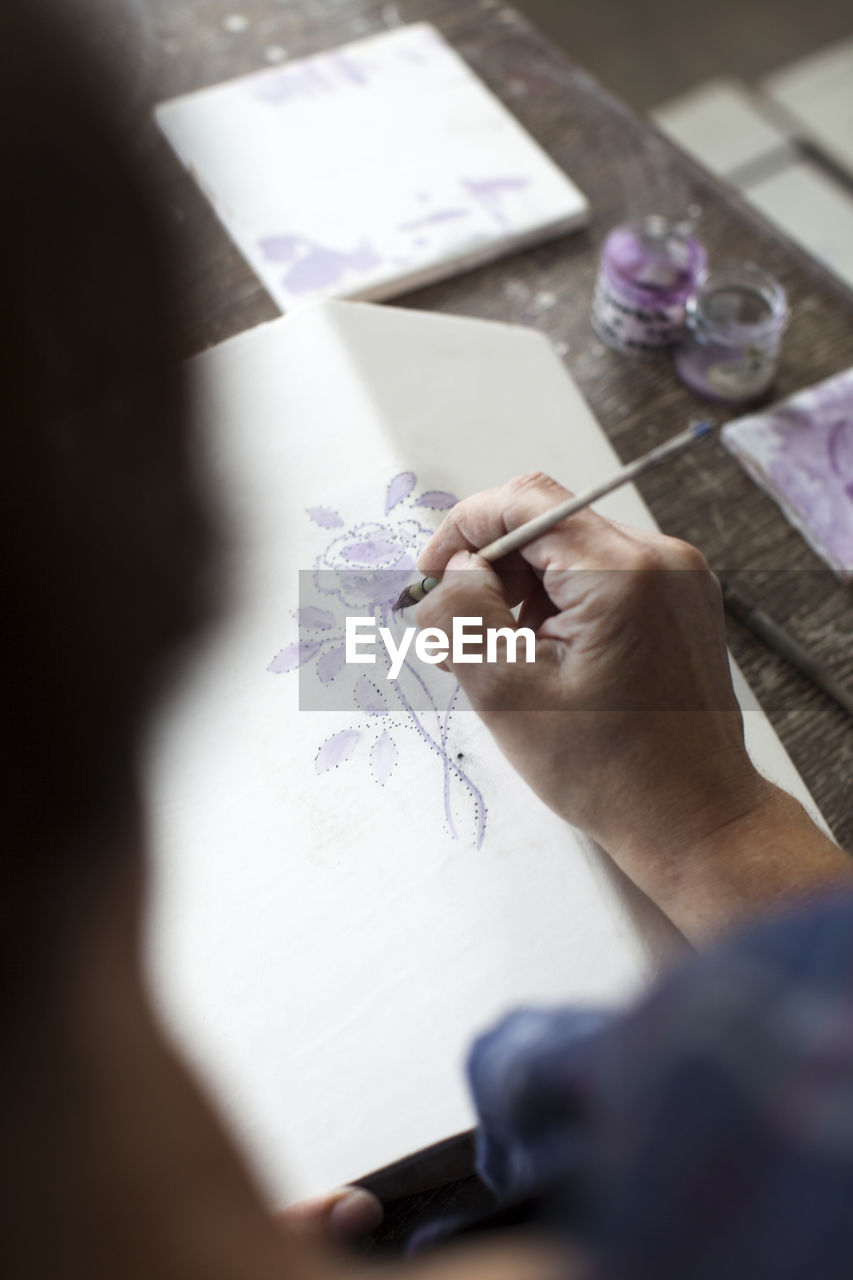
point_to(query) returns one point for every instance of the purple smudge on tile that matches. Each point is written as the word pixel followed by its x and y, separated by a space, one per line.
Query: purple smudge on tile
pixel 369 699
pixel 336 750
pixel 302 80
pixel 398 489
pixel 443 215
pixel 320 268
pixel 801 451
pixel 489 192
pixel 840 447
pixel 320 619
pixel 383 757
pixel 349 68
pixel 330 664
pixel 436 499
pixel 293 656
pixel 325 517
pixel 371 551
pixel 280 248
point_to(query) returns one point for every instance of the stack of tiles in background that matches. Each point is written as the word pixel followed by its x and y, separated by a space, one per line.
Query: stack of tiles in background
pixel 369 170
pixel 801 452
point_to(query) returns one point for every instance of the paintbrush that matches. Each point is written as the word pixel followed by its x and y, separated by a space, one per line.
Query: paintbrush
pixel 541 524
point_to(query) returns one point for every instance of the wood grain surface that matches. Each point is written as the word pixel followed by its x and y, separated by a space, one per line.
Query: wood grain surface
pixel 626 169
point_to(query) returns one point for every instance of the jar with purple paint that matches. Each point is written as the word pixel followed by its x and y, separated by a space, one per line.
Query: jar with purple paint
pixel 648 270
pixel 733 338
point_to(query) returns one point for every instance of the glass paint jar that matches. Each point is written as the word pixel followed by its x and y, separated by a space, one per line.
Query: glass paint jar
pixel 648 270
pixel 733 336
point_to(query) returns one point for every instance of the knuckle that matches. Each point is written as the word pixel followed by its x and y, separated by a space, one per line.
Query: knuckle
pixel 683 555
pixel 533 482
pixel 645 558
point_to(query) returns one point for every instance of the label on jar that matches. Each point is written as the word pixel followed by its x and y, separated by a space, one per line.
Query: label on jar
pixel 629 328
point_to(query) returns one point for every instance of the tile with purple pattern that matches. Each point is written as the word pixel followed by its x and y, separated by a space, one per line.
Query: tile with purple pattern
pixel 369 169
pixel 801 452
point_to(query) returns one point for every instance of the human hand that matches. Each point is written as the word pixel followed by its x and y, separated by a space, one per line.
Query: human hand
pixel 348 1213
pixel 626 724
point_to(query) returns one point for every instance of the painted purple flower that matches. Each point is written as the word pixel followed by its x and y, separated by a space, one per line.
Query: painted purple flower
pixel 361 571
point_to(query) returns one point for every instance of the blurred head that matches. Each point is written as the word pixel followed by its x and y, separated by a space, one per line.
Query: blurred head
pixel 103 535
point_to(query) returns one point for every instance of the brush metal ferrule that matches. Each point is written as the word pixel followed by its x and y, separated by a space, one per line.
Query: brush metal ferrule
pixel 419 589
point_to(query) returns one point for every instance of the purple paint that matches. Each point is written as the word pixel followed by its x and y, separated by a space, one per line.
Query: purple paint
pixel 355 555
pixel 371 552
pixel 383 757
pixel 316 267
pixel 490 193
pixel 436 500
pixel 734 326
pixel 325 517
pixel 443 215
pixel 647 271
pixel 336 750
pixel 329 665
pixel 318 619
pixel 840 447
pixel 301 81
pixel 801 452
pixel 349 69
pixel 293 656
pixel 398 489
pixel 369 699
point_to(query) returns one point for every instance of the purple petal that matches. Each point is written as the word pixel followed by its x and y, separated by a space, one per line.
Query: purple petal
pixel 336 750
pixel 293 656
pixel 368 697
pixel 437 499
pixel 330 664
pixel 311 617
pixel 399 488
pixel 383 757
pixel 325 517
pixel 371 551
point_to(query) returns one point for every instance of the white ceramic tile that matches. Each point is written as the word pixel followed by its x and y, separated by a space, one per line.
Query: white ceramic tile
pixel 816 95
pixel 720 124
pixel 368 170
pixel 814 210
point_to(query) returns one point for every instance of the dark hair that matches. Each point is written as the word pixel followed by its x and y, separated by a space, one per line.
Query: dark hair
pixel 103 532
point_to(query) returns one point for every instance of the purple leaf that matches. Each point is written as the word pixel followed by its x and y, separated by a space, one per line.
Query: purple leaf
pixel 293 656
pixel 330 664
pixel 383 757
pixel 368 697
pixel 311 617
pixel 336 750
pixel 398 489
pixel 325 517
pixel 437 499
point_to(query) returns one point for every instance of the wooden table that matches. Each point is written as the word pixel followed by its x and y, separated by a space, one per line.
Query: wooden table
pixel 626 169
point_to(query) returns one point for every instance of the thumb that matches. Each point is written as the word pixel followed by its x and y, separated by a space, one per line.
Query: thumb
pixel 489 654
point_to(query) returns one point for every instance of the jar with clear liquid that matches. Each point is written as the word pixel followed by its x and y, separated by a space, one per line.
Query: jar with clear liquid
pixel 733 335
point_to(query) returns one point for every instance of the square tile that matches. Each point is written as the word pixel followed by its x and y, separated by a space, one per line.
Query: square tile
pixel 814 96
pixel 721 125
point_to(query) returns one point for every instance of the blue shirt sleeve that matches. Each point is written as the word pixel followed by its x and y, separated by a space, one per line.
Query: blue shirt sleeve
pixel 708 1132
